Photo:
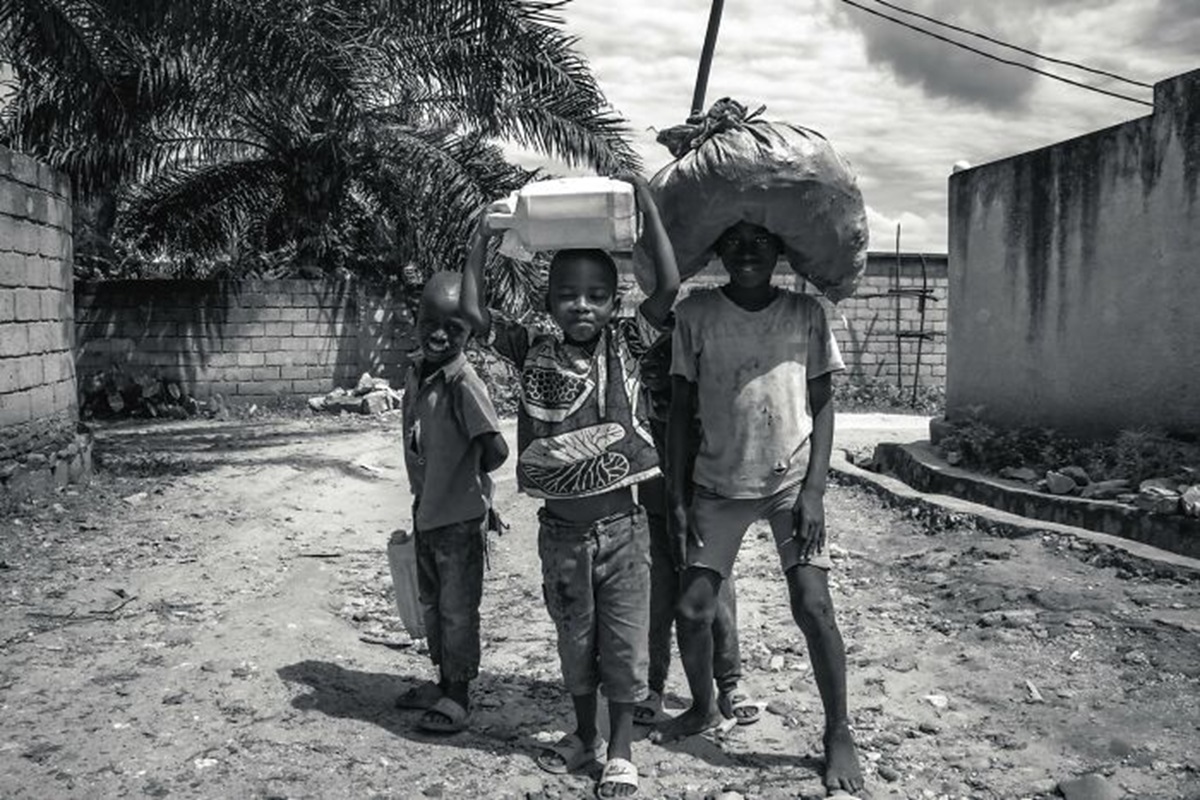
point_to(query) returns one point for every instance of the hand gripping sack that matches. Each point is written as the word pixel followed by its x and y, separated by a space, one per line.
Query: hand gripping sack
pixel 731 167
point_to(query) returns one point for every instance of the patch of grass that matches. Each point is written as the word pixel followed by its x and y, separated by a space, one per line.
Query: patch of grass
pixel 860 394
pixel 1132 455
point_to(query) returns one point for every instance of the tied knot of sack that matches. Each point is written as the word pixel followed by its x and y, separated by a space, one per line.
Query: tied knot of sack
pixel 724 115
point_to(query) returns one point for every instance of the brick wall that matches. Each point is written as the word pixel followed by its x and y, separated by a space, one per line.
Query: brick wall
pixel 866 325
pixel 247 340
pixel 38 408
pixel 253 340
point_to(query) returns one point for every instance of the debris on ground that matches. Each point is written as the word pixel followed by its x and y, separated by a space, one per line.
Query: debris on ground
pixel 369 396
pixel 115 393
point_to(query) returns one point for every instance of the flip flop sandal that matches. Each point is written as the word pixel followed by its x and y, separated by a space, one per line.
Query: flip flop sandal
pixel 617 772
pixel 649 711
pixel 572 754
pixel 738 706
pixel 445 716
pixel 419 698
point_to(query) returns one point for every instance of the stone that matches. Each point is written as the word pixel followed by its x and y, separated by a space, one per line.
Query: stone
pixel 782 708
pixel 888 773
pixel 1190 501
pixel 367 384
pixel 1136 658
pixel 1022 618
pixel 991 619
pixel 1060 484
pixel 938 701
pixel 1088 787
pixel 901 663
pixel 930 728
pixel 888 739
pixel 1023 474
pixel 1105 490
pixel 1159 484
pixel 1043 787
pixel 776 663
pixel 62 474
pixel 376 403
pixel 1077 474
pixel 316 403
pixel 1158 501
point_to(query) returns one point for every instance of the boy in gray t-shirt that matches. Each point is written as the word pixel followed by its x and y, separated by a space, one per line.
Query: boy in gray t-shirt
pixel 754 363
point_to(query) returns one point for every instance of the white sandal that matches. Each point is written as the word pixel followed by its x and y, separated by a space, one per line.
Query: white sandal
pixel 617 772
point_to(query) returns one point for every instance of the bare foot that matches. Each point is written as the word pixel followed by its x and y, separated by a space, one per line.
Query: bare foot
pixel 689 723
pixel 841 760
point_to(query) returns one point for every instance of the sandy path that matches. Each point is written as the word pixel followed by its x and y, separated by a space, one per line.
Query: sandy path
pixel 203 640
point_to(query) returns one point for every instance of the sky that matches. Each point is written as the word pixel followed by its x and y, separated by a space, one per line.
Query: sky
pixel 902 107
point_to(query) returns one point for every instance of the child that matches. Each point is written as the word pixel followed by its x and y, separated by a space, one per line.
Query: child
pixel 754 363
pixel 666 566
pixel 583 444
pixel 451 442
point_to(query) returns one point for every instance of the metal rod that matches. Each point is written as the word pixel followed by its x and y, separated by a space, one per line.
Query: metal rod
pixel 706 56
pixel 899 336
pixel 921 337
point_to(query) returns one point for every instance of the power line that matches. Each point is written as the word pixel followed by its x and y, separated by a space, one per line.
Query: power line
pixel 993 57
pixel 1033 53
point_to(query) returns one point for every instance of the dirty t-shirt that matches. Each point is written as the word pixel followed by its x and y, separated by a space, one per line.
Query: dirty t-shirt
pixel 583 426
pixel 444 416
pixel 752 370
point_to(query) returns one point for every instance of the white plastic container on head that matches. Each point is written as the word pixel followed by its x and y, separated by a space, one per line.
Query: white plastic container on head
pixel 402 558
pixel 567 213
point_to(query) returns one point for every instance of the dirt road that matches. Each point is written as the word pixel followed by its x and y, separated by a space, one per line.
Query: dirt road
pixel 202 623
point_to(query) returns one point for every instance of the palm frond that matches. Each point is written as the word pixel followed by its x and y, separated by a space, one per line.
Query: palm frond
pixel 197 209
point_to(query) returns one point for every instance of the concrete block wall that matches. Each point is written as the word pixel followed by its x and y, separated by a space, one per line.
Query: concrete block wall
pixel 38 408
pixel 246 340
pixel 1075 278
pixel 866 324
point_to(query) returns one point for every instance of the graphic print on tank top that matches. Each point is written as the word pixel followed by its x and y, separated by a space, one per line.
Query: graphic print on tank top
pixel 583 431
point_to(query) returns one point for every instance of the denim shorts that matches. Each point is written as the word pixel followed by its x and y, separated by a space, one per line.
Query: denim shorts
pixel 596 584
pixel 722 522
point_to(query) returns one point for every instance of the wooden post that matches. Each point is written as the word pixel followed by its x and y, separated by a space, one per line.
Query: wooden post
pixel 706 56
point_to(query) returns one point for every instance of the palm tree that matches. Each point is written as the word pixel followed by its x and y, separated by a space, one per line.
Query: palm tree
pixel 314 127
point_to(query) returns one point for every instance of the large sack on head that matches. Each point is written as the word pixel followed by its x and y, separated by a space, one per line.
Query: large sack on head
pixel 731 167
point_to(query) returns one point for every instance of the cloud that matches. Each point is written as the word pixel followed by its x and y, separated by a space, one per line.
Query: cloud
pixel 916 232
pixel 942 70
pixel 902 127
pixel 1173 24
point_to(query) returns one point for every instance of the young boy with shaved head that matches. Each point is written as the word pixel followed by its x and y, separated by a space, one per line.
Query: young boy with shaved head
pixel 451 442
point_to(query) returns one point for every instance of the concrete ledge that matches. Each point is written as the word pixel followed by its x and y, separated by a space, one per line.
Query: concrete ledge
pixel 919 466
pixel 895 492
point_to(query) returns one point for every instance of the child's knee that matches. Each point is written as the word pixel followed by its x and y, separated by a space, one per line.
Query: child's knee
pixel 812 610
pixel 698 603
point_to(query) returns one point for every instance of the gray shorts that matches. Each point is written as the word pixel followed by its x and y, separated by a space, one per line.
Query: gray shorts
pixel 722 522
